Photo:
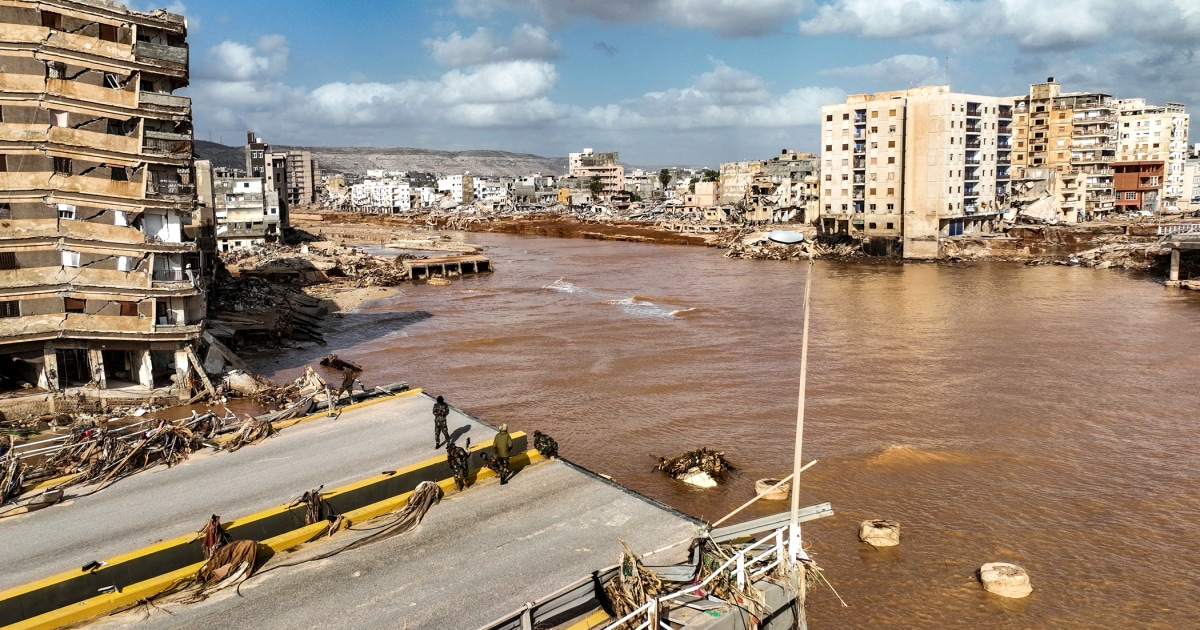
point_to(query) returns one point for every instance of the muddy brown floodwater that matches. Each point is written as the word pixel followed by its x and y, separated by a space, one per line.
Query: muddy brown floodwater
pixel 1044 416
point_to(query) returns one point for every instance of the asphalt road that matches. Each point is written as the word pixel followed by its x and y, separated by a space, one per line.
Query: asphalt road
pixel 163 503
pixel 477 556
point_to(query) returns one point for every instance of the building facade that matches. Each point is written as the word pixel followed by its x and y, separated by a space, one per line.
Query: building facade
pixel 588 164
pixel 99 286
pixel 916 165
pixel 1151 135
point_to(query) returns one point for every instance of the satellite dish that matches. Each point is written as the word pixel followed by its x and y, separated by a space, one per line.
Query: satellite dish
pixel 787 237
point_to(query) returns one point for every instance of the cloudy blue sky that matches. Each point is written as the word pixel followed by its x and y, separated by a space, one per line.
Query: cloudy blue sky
pixel 662 81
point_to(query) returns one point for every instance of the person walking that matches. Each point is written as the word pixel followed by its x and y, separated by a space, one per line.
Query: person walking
pixel 347 384
pixel 460 463
pixel 440 411
pixel 502 446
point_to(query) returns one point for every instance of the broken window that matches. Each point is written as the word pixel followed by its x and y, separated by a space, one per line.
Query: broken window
pixel 108 32
pixel 8 260
pixel 66 211
pixel 119 174
pixel 5 213
pixel 62 165
pixel 56 70
pixel 10 308
pixel 70 258
pixel 3 163
pixel 52 20
pixel 73 305
pixel 128 309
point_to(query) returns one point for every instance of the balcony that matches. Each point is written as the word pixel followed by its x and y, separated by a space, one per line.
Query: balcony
pixel 973 110
pixel 1087 120
pixel 973 144
pixel 30 35
pixel 860 149
pixel 970 208
pixel 169 187
pixel 1006 111
pixel 159 143
pixel 1004 128
pixel 73 90
pixel 176 55
pixel 860 163
pixel 64 185
pixel 167 103
pixel 971 175
pixel 970 193
pixel 69 325
pixel 974 127
pixel 1002 173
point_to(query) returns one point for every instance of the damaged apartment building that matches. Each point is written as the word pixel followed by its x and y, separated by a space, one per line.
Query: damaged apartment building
pixel 100 276
pixel 783 189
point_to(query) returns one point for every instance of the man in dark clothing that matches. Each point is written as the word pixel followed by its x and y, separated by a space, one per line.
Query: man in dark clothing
pixel 347 384
pixel 502 445
pixel 545 445
pixel 440 411
pixel 460 463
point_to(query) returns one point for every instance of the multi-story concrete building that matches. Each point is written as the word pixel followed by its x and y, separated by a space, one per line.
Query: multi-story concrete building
pixel 1152 142
pixel 98 284
pixel 1072 132
pixel 385 196
pixel 459 188
pixel 588 164
pixel 916 165
pixel 247 214
pixel 1191 184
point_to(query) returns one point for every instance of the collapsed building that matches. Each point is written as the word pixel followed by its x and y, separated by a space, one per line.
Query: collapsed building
pixel 101 275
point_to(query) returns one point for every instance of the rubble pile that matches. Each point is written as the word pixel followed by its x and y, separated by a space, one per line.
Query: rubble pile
pixel 262 294
pixel 753 244
pixel 1122 256
pixel 702 461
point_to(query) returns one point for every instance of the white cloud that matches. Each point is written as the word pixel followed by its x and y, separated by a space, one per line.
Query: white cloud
pixel 899 70
pixel 233 61
pixel 1031 24
pixel 485 46
pixel 730 18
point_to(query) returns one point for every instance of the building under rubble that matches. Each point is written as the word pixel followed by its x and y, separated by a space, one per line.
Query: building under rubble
pixel 100 269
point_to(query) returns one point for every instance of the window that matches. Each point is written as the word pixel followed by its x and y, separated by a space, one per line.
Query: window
pixel 5 213
pixel 8 260
pixel 871 225
pixel 128 309
pixel 891 226
pixel 845 116
pixel 146 86
pixel 56 70
pixel 845 147
pixel 72 305
pixel 892 112
pixel 828 207
pixel 52 20
pixel 891 191
pixel 891 206
pixel 828 117
pixel 872 191
pixel 10 309
pixel 119 174
pixel 111 81
pixel 62 165
pixel 70 259
pixel 66 211
pixel 1131 195
pixel 891 159
pixel 845 177
pixel 872 207
pixel 108 32
pixel 875 114
pixel 891 128
pixel 828 177
pixel 891 144
pixel 829 147
pixel 3 163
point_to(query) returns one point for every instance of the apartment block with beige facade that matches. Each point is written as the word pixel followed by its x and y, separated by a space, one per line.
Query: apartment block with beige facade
pixel 605 166
pixel 1073 132
pixel 1152 142
pixel 916 165
pixel 99 282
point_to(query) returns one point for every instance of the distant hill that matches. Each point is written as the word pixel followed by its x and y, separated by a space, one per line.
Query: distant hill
pixel 221 155
pixel 359 160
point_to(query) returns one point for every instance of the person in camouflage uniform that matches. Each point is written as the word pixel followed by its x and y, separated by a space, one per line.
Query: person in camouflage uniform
pixel 502 445
pixel 545 445
pixel 440 411
pixel 460 463
pixel 347 385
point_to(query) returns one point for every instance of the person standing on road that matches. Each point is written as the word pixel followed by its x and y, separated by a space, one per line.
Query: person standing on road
pixel 347 384
pixel 502 446
pixel 440 411
pixel 460 463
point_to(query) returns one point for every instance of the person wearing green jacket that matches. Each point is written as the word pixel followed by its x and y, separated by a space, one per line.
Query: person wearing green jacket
pixel 502 446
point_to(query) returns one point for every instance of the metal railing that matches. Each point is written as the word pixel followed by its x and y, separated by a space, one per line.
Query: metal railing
pixel 168 187
pixel 771 553
pixel 132 431
pixel 1178 228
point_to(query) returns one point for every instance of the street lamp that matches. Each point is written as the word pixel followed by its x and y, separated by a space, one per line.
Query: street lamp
pixel 788 237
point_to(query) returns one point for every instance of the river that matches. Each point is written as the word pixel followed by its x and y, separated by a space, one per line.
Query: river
pixel 1043 416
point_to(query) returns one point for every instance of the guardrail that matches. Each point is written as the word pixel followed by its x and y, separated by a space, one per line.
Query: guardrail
pixel 743 566
pixel 128 432
pixel 1178 228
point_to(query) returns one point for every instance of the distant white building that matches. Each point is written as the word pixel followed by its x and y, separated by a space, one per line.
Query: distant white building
pixel 460 187
pixel 381 197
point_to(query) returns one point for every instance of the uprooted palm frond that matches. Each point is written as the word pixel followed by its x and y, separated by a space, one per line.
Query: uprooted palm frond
pixel 252 432
pixel 633 586
pixel 723 584
pixel 702 459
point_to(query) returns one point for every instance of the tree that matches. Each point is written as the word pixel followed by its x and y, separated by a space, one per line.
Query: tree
pixel 596 186
pixel 709 175
pixel 664 178
pixel 692 185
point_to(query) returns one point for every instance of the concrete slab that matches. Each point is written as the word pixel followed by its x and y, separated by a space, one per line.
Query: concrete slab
pixel 162 503
pixel 477 556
